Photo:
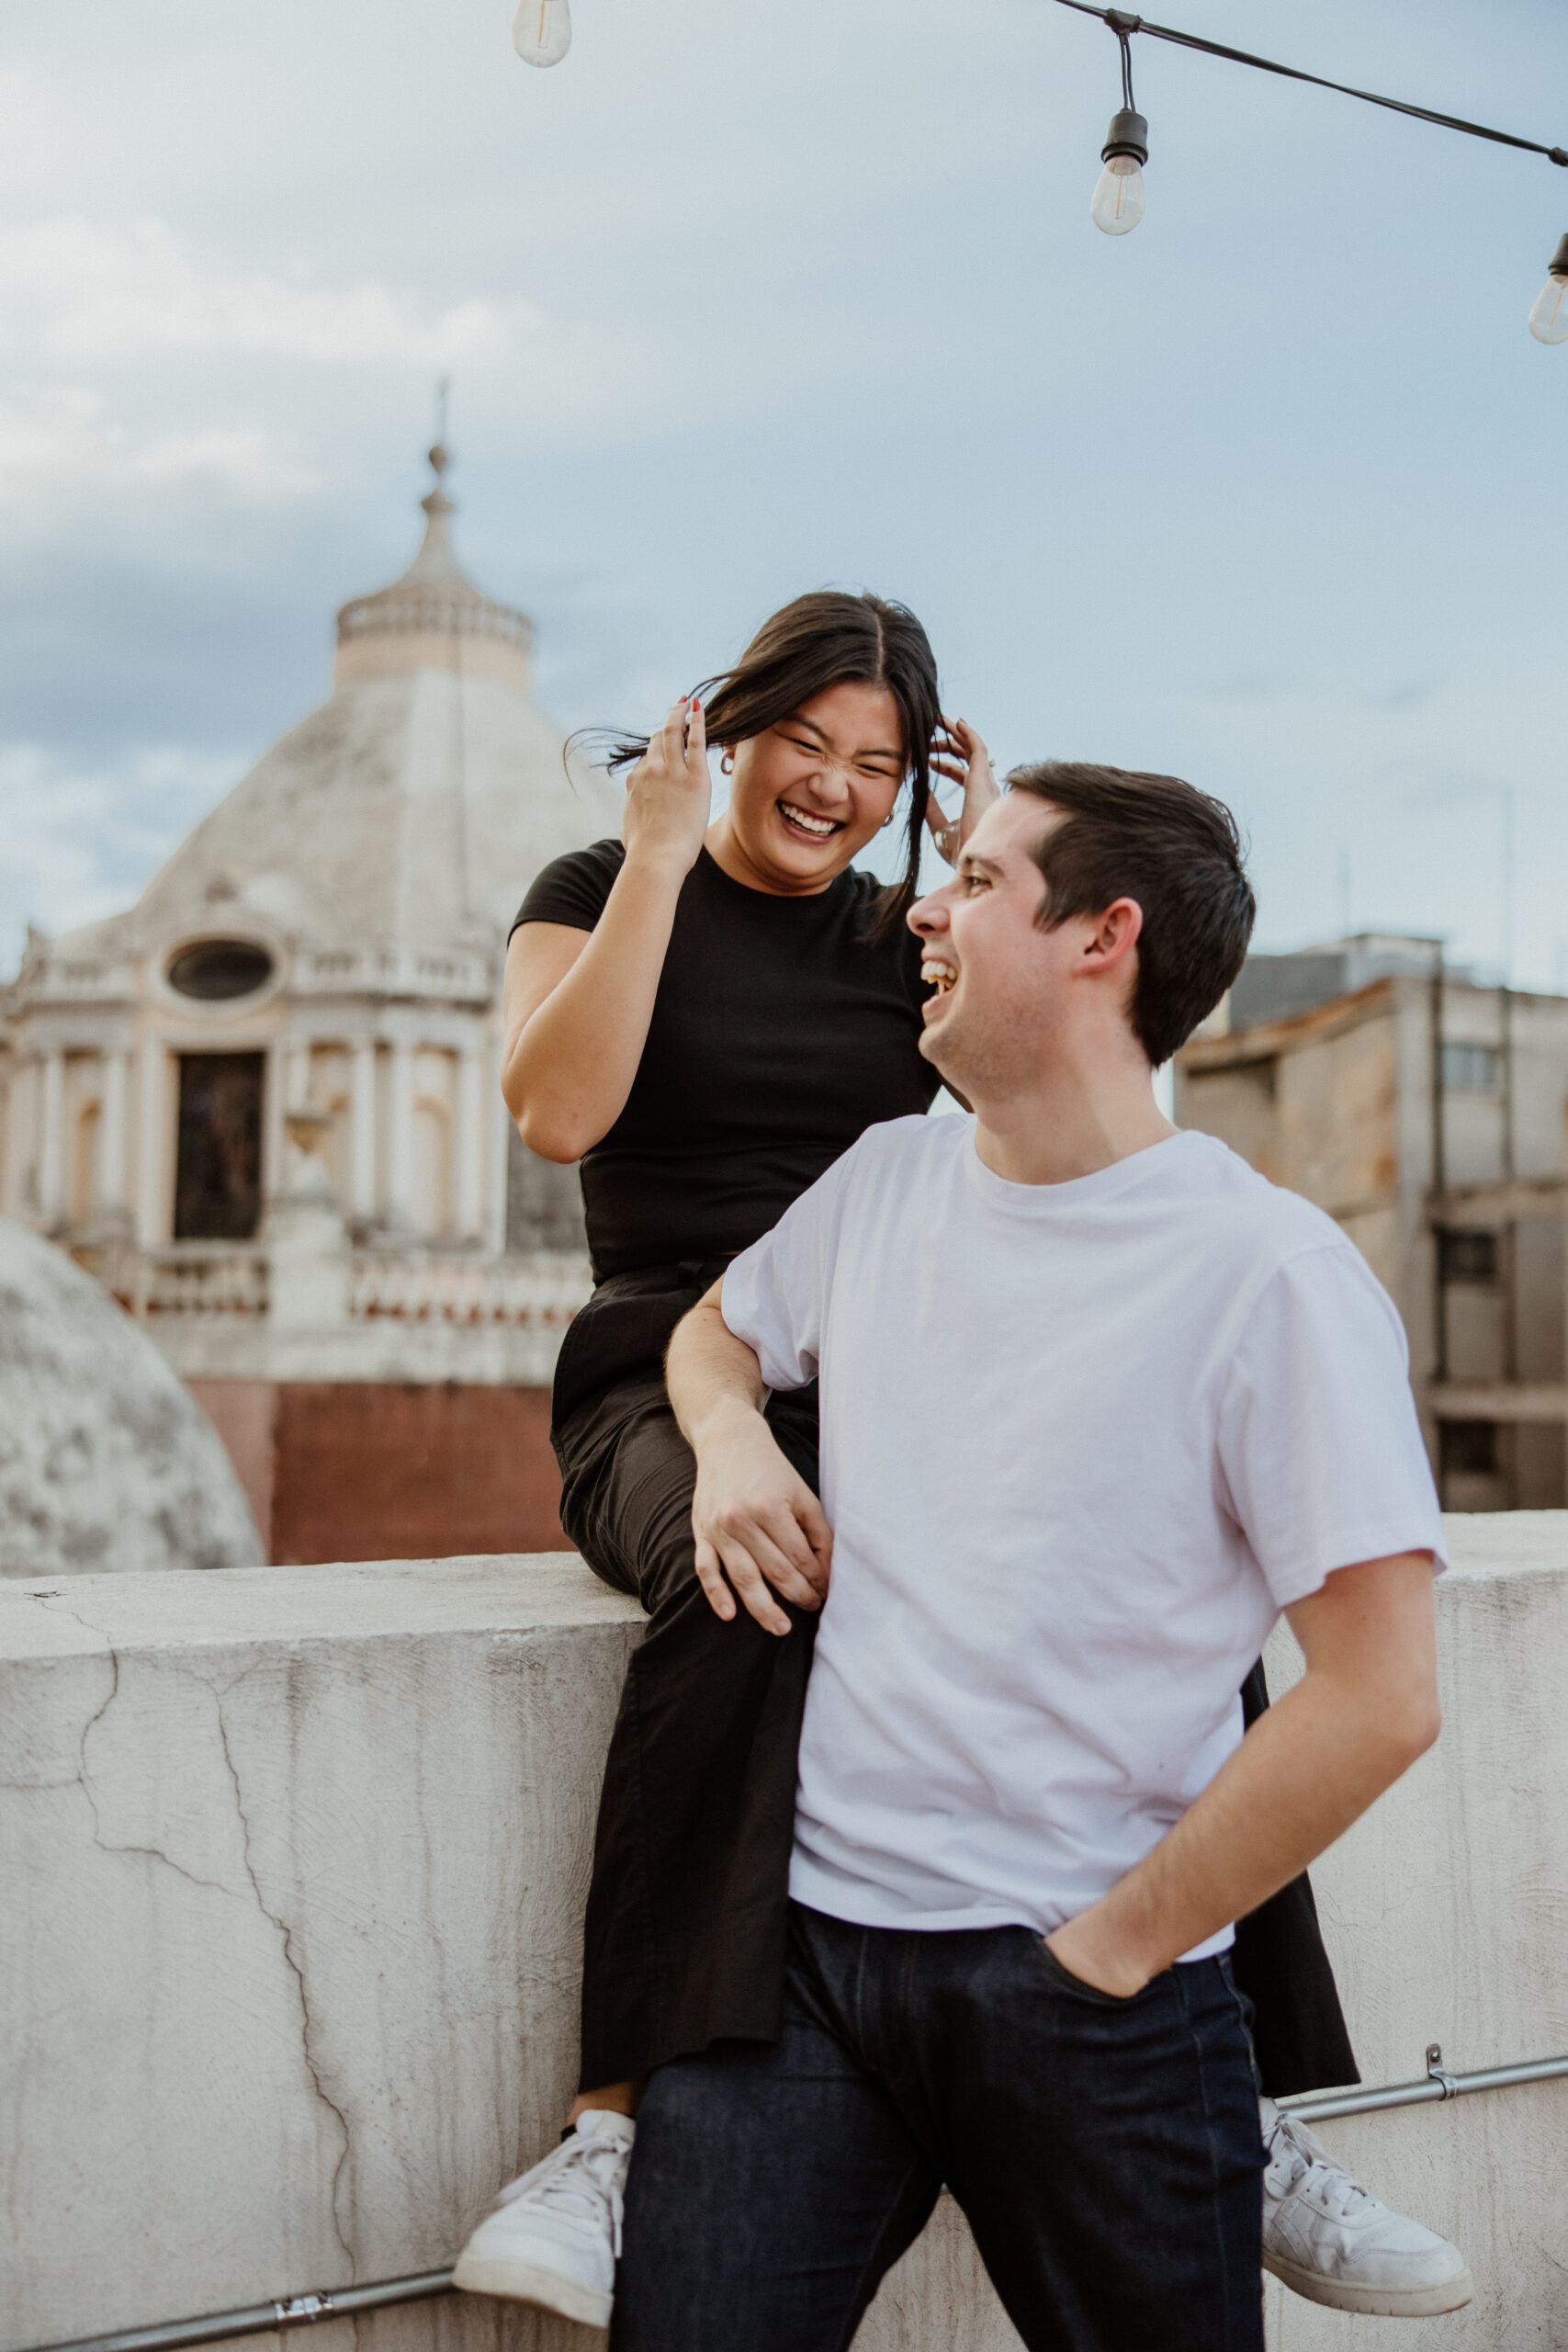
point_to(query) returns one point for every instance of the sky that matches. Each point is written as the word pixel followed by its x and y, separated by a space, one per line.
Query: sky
pixel 743 299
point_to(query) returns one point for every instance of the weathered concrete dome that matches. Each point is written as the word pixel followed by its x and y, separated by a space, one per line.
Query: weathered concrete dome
pixel 409 811
pixel 413 809
pixel 105 1462
pixel 330 939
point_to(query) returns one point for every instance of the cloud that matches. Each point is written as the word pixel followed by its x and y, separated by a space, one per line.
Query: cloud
pixel 1409 695
pixel 62 442
pixel 81 290
pixel 742 299
pixel 83 302
pixel 80 840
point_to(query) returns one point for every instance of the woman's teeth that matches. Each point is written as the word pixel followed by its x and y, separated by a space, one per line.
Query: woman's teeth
pixel 819 827
pixel 940 977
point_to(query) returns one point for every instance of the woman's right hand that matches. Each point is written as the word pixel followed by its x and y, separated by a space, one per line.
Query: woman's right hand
pixel 670 793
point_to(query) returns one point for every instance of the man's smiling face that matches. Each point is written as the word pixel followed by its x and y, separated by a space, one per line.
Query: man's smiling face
pixel 999 979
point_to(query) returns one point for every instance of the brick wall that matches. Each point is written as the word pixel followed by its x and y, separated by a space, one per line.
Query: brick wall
pixel 361 1471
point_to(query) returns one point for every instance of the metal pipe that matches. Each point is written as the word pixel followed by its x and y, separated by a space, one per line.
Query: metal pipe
pixel 344 2302
pixel 1437 2083
pixel 266 2318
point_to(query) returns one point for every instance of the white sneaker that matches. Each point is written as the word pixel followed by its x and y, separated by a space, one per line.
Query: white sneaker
pixel 1329 2239
pixel 555 2235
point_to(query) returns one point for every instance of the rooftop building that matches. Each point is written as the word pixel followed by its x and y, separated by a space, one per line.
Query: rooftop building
pixel 1426 1112
pixel 263 1104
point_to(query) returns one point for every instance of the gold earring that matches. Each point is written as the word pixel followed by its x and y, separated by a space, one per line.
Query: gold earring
pixel 727 765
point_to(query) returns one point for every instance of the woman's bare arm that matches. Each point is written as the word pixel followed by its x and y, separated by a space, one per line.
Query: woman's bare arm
pixel 578 1003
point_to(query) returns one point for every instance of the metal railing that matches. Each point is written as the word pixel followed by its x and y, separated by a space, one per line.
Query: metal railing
pixel 1437 2083
pixel 268 2319
pixel 381 2294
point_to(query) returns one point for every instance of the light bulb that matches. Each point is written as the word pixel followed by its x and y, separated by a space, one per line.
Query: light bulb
pixel 1117 204
pixel 541 32
pixel 1549 319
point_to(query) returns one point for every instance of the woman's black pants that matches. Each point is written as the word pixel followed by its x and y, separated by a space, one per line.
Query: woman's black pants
pixel 688 1904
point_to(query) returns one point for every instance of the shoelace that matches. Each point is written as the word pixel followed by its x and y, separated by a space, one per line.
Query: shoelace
pixel 1294 2155
pixel 580 2179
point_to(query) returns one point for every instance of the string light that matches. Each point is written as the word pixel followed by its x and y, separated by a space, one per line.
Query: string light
pixel 1118 202
pixel 541 32
pixel 1549 319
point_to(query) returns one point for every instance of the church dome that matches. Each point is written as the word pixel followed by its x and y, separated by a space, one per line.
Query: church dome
pixel 326 944
pixel 414 807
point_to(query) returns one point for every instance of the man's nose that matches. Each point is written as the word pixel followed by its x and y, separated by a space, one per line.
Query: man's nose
pixel 928 915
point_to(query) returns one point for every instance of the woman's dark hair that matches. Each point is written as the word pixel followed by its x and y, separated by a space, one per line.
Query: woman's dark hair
pixel 1175 850
pixel 821 640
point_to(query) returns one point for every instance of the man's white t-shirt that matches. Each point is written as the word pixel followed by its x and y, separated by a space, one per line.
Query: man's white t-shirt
pixel 1082 1443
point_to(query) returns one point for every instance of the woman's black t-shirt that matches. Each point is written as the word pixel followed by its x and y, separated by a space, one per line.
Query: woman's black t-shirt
pixel 780 1031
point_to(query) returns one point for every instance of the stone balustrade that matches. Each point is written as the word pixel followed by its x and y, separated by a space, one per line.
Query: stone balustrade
pixel 259 1311
pixel 200 1279
pixel 295 1862
pixel 545 1289
pixel 215 1278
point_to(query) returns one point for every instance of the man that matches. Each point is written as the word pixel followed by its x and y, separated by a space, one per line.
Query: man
pixel 1097 1404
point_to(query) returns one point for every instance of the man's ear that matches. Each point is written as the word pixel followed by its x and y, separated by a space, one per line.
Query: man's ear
pixel 1113 936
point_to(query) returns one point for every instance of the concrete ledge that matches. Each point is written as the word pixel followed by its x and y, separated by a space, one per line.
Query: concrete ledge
pixel 294 1863
pixel 300 1861
pixel 1445 1912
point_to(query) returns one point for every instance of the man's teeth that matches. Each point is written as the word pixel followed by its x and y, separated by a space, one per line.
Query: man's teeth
pixel 821 826
pixel 940 977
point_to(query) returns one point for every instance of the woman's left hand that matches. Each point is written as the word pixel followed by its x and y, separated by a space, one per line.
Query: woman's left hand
pixel 958 753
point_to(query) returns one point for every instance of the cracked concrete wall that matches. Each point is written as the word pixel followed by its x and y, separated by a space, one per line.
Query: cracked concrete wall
pixel 106 1462
pixel 1444 1910
pixel 293 1866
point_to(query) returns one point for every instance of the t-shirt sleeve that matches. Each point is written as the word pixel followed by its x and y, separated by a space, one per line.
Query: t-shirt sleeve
pixel 572 889
pixel 1319 1444
pixel 776 1294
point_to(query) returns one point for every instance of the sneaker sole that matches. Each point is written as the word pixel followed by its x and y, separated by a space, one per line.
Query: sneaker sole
pixel 525 2282
pixel 1376 2303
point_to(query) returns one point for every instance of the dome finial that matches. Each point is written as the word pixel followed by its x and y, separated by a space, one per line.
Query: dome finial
pixel 437 501
pixel 433 612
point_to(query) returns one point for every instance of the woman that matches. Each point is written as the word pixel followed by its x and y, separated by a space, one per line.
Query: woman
pixel 706 1014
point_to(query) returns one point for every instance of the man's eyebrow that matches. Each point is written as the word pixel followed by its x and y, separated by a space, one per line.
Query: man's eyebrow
pixel 969 863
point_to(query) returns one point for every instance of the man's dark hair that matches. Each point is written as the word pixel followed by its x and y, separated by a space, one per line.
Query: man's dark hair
pixel 1174 850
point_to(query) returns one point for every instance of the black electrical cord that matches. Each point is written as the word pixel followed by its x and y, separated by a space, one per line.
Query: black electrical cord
pixel 1124 35
pixel 1121 24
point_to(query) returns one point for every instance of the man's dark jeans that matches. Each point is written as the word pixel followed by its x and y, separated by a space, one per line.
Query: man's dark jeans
pixel 1106 2153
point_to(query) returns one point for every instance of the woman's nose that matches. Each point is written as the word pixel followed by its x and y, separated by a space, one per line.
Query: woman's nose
pixel 829 774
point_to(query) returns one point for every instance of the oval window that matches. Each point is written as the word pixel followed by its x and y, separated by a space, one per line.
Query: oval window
pixel 215 970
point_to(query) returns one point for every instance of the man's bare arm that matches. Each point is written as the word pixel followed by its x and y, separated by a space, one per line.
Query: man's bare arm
pixel 1363 1711
pixel 756 1521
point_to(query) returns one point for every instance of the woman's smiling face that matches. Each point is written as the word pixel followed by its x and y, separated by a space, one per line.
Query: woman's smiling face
pixel 806 795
